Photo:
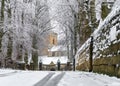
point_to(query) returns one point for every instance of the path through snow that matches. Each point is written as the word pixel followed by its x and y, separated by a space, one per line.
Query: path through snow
pixel 51 79
pixel 44 80
pixel 55 78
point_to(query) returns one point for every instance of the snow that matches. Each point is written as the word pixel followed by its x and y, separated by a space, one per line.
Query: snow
pixel 70 78
pixel 98 9
pixel 4 71
pixel 20 78
pixel 113 33
pixel 29 58
pixel 82 48
pixel 20 61
pixel 115 10
pixel 106 32
pixel 47 60
pixel 88 79
pixel 30 9
pixel 61 13
pixel 98 5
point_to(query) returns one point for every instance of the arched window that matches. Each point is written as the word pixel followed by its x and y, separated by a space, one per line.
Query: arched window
pixel 53 41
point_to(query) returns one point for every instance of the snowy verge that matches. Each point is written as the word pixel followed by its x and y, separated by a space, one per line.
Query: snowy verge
pixel 23 78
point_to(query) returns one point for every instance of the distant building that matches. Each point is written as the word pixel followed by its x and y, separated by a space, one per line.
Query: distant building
pixel 57 51
pixel 54 53
pixel 52 39
pixel 54 49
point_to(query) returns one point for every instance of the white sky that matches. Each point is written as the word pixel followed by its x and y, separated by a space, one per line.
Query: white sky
pixel 55 12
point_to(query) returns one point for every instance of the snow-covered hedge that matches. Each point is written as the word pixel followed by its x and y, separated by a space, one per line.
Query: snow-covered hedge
pixel 108 31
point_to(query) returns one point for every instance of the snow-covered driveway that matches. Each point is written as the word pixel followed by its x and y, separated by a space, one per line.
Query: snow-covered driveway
pixel 55 78
pixel 52 79
pixel 20 78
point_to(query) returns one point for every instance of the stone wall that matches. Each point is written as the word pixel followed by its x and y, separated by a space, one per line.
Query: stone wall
pixel 110 66
pixel 106 48
pixel 105 65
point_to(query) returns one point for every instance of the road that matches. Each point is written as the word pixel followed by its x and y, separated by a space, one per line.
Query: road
pixel 50 79
pixel 77 79
pixel 55 78
pixel 9 74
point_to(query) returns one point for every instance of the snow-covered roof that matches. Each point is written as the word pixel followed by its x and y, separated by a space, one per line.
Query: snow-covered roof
pixel 47 60
pixel 58 48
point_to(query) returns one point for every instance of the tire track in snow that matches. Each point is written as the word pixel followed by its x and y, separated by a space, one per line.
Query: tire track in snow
pixel 55 80
pixel 8 74
pixel 44 80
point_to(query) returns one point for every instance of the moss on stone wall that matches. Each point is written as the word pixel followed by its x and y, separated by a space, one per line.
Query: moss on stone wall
pixel 83 67
pixel 108 65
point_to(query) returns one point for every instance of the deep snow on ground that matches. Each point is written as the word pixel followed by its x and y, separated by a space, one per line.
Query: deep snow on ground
pixel 70 78
pixel 20 78
pixel 88 79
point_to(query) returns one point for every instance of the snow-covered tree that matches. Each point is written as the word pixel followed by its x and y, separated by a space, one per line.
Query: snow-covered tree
pixel 24 24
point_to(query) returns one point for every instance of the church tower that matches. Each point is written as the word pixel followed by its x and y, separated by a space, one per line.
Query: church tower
pixel 52 39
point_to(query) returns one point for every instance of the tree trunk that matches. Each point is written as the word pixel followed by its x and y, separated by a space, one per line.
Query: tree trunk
pixel 35 60
pixel 1 22
pixel 35 52
pixel 1 30
pixel 2 9
pixel 91 55
pixel 9 48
